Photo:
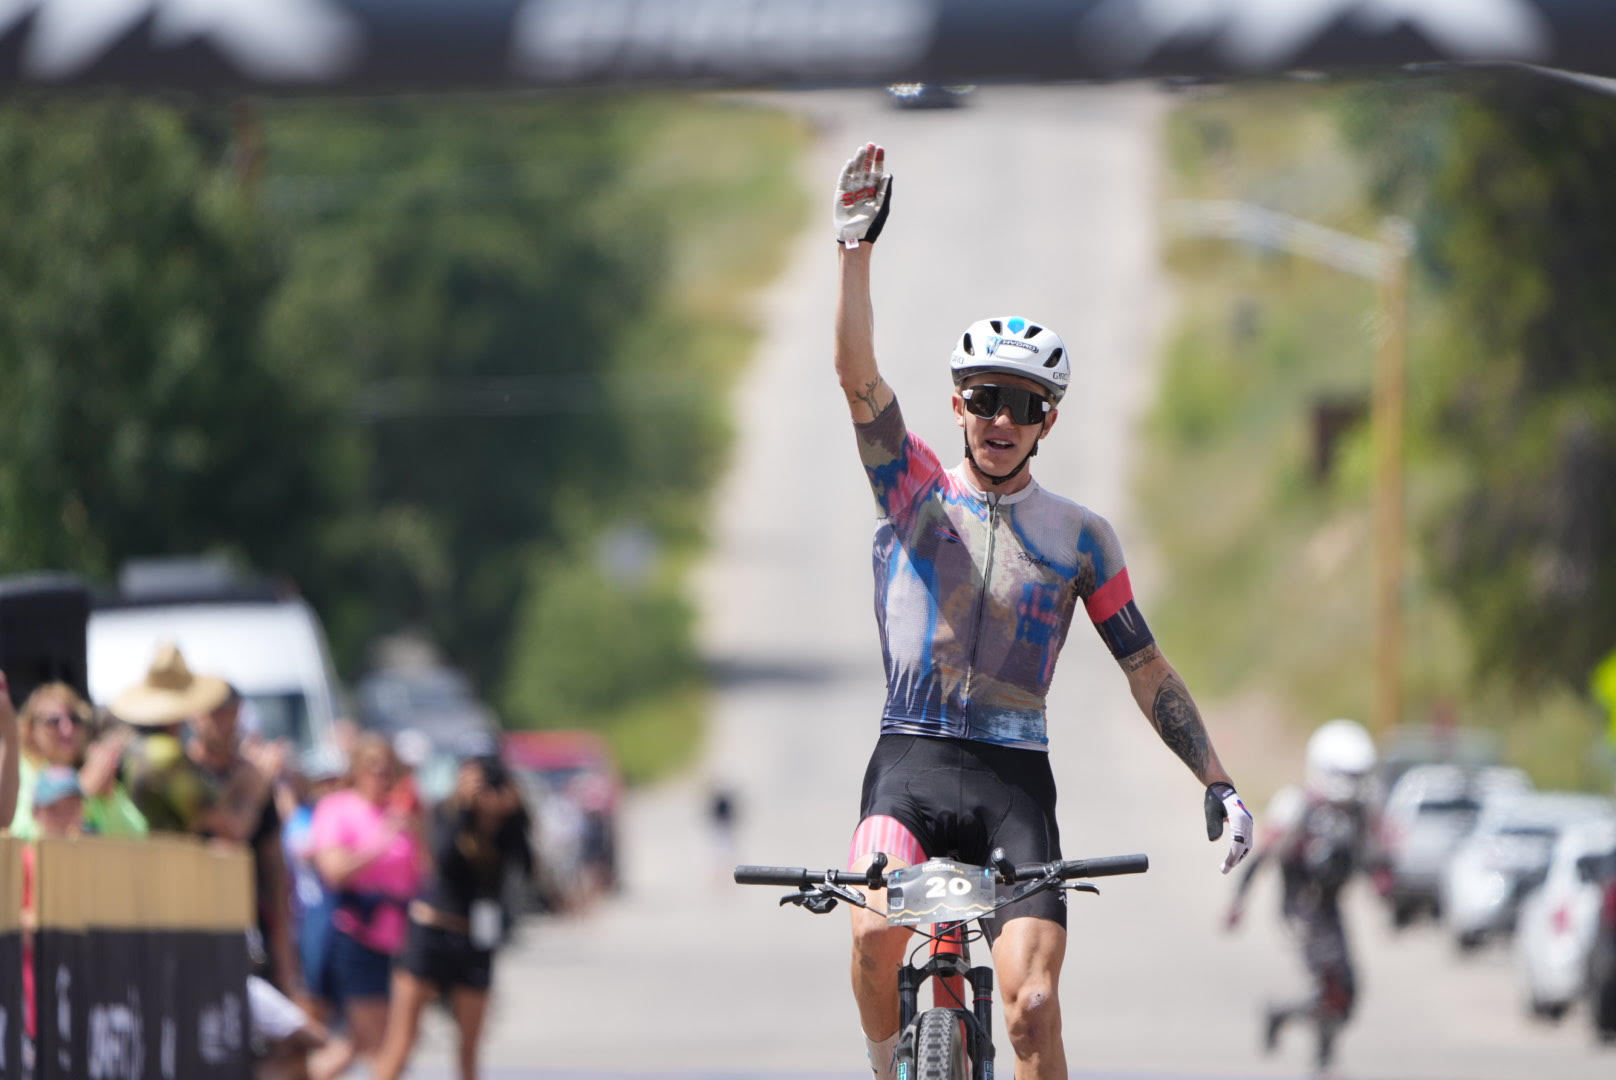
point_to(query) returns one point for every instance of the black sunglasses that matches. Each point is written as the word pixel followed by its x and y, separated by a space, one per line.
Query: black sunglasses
pixel 986 400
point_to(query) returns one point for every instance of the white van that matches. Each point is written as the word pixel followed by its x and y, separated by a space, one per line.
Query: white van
pixel 273 651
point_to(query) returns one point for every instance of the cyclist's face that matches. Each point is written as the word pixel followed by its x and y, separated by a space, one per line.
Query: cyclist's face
pixel 999 444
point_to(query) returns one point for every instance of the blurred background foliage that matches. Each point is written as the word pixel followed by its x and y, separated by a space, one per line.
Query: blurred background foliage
pixel 1258 489
pixel 460 366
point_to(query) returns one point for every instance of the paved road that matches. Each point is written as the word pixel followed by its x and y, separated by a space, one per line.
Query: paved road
pixel 1041 202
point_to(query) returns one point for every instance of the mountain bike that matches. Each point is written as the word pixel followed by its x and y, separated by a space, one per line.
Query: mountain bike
pixel 951 1040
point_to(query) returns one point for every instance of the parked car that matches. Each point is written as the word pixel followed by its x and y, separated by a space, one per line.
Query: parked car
pixel 1429 812
pixel 1412 746
pixel 919 95
pixel 1602 964
pixel 1505 857
pixel 433 719
pixel 1559 920
pixel 266 642
pixel 579 788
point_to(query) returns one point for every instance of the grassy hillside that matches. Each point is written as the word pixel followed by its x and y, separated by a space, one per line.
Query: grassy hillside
pixel 1269 557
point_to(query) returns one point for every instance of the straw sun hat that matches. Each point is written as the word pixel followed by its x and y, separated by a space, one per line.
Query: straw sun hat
pixel 170 693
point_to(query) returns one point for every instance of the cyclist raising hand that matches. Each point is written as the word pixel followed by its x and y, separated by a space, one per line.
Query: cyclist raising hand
pixel 979 571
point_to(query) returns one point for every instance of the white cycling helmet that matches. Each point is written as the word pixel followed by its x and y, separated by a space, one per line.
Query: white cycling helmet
pixel 1340 758
pixel 1015 346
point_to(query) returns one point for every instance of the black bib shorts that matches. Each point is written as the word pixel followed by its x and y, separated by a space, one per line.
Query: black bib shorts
pixel 961 798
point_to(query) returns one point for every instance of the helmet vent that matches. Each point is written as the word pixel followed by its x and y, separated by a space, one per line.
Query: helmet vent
pixel 1033 331
pixel 1054 357
pixel 970 349
pixel 997 328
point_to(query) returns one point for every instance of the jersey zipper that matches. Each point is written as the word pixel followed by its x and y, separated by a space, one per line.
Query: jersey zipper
pixel 981 605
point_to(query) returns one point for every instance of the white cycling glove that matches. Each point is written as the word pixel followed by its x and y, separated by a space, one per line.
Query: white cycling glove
pixel 863 197
pixel 1223 804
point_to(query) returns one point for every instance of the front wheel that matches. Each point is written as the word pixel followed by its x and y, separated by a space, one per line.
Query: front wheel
pixel 940 1047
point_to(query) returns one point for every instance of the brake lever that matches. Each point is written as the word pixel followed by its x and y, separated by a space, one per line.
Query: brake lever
pixel 821 898
pixel 830 891
pixel 1028 889
pixel 1083 886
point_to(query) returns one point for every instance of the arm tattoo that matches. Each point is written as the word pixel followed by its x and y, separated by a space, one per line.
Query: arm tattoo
pixel 867 395
pixel 1135 661
pixel 1178 723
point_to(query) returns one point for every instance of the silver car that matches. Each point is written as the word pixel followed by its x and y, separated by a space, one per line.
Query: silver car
pixel 1505 857
pixel 1427 814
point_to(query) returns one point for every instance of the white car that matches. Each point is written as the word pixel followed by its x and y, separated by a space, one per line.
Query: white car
pixel 272 650
pixel 1559 920
pixel 1507 855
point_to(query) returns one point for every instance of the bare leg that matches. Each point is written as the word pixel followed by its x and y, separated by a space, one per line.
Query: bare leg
pixel 332 1059
pixel 877 952
pixel 410 996
pixel 367 1022
pixel 1028 956
pixel 470 1007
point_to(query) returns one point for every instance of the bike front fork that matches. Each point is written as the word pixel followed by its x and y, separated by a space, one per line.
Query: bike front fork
pixel 950 966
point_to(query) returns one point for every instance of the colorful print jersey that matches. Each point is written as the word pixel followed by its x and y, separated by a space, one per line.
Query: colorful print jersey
pixel 974 592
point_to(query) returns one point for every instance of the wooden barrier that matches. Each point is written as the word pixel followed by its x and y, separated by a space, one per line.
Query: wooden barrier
pixel 140 958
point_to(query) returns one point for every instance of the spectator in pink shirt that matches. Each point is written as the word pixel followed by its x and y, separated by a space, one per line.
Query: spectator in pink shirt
pixel 370 851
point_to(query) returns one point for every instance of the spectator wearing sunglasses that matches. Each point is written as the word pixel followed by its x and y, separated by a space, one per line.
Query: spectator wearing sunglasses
pixel 54 727
pixel 979 571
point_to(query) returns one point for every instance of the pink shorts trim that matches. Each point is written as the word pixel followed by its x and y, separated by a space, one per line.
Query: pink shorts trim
pixel 879 832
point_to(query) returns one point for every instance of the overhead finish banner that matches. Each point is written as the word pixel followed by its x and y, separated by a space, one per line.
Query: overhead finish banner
pixel 378 45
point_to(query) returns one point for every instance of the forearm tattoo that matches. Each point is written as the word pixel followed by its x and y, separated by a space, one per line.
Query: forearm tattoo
pixel 867 395
pixel 1135 661
pixel 1179 723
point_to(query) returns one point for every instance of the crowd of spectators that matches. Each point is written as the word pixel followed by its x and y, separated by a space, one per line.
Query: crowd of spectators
pixel 368 903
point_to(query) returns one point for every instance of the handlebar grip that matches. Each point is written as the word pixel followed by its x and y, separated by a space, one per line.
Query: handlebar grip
pixel 795 876
pixel 1105 866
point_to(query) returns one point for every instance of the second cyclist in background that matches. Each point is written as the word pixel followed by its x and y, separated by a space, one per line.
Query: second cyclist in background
pixel 1318 835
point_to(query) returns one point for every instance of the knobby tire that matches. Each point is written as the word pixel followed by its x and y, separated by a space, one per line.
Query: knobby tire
pixel 940 1048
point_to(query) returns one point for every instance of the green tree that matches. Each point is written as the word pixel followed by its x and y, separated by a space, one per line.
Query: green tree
pixel 141 416
pixel 419 357
pixel 1508 179
pixel 478 271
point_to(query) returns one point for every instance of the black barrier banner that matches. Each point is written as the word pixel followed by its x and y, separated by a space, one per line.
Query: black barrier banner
pixel 11 1018
pixel 140 960
pixel 11 1015
pixel 141 1005
pixel 413 44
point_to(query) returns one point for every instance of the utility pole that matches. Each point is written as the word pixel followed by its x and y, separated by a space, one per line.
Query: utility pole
pixel 1387 422
pixel 1384 262
pixel 248 148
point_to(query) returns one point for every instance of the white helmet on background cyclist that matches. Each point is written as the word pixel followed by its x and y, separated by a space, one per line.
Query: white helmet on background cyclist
pixel 1340 760
pixel 1015 346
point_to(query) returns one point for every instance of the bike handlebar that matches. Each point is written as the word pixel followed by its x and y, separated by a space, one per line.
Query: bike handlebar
pixel 802 878
pixel 798 876
pixel 1104 866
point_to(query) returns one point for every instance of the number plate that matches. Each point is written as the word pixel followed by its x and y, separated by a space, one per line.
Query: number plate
pixel 940 890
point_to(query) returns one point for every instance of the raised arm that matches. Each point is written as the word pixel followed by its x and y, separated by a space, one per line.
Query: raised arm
pixel 860 210
pixel 10 748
